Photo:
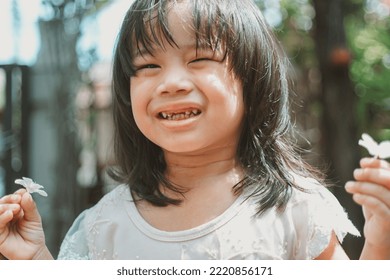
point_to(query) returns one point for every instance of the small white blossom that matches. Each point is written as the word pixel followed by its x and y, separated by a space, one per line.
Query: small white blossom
pixel 381 150
pixel 31 186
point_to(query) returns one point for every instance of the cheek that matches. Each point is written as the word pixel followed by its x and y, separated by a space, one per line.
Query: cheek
pixel 138 106
pixel 226 91
pixel 139 110
pixel 222 80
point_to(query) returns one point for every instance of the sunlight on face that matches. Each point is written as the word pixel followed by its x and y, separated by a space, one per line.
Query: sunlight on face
pixel 184 99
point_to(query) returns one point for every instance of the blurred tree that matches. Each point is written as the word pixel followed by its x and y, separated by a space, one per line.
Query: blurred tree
pixel 368 35
pixel 54 143
pixel 338 98
pixel 314 36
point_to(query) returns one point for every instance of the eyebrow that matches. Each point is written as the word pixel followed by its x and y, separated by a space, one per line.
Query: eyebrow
pixel 142 52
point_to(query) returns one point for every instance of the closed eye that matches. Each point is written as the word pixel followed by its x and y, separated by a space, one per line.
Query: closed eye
pixel 202 59
pixel 147 66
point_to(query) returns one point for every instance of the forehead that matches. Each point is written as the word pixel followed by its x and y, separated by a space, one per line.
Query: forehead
pixel 176 24
pixel 180 24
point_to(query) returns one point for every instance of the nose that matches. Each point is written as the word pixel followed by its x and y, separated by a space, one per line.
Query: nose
pixel 175 80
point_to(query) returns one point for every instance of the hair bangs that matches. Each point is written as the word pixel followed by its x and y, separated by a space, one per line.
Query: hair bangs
pixel 210 28
pixel 149 26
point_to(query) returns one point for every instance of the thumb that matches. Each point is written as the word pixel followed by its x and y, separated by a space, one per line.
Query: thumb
pixel 30 208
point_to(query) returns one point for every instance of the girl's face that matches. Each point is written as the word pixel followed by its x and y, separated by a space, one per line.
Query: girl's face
pixel 186 100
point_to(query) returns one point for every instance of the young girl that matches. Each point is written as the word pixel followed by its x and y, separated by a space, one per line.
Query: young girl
pixel 200 101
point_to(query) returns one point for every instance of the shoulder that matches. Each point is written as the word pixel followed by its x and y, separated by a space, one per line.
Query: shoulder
pixel 110 203
pixel 94 227
pixel 120 192
pixel 317 203
pixel 312 195
pixel 317 215
pixel 108 208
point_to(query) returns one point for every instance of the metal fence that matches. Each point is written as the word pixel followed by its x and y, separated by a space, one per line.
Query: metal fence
pixel 14 112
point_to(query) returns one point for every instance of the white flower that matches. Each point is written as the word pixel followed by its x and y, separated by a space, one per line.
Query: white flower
pixel 31 186
pixel 381 150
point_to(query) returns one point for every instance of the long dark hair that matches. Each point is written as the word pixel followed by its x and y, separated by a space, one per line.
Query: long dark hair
pixel 265 151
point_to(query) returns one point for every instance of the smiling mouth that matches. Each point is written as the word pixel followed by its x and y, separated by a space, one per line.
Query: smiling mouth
pixel 177 116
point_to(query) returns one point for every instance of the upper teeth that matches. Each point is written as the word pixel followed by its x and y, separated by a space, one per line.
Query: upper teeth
pixel 181 115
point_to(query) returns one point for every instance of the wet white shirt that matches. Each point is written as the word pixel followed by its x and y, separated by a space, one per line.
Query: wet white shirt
pixel 114 229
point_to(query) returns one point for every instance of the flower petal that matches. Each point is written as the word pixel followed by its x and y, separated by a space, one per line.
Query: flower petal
pixel 369 143
pixel 41 192
pixel 35 186
pixel 384 149
pixel 28 180
pixel 30 186
pixel 20 182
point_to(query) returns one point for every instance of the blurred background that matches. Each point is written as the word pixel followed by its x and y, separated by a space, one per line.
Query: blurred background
pixel 55 99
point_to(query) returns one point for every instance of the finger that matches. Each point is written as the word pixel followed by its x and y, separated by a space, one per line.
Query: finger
pixel 5 218
pixel 29 208
pixel 11 198
pixel 374 163
pixel 373 204
pixel 20 191
pixel 374 175
pixel 12 202
pixel 15 208
pixel 378 191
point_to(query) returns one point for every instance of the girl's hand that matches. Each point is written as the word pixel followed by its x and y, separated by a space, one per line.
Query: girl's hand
pixel 372 190
pixel 21 232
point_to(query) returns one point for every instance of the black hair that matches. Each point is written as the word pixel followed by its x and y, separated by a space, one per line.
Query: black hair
pixel 265 151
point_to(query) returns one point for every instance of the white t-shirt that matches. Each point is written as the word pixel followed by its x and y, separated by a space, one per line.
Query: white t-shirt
pixel 114 229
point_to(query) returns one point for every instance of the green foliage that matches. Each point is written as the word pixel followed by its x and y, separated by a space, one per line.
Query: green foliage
pixel 367 26
pixel 370 70
pixel 294 31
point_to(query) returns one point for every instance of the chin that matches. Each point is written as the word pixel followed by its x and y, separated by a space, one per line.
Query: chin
pixel 180 149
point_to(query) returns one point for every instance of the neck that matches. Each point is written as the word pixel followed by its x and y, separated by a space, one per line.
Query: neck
pixel 194 171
